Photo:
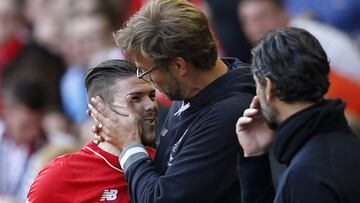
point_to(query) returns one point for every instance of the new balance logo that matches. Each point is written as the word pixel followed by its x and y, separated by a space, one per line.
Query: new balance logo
pixel 109 195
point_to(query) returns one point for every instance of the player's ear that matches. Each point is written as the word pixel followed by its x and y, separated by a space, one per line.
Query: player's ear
pixel 269 94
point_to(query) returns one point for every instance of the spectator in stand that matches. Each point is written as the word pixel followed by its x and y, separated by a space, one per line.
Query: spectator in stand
pixel 47 68
pixel 88 40
pixel 228 29
pixel 41 64
pixel 21 136
pixel 11 25
pixel 12 35
pixel 342 14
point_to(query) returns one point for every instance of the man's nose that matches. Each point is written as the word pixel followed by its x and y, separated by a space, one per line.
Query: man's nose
pixel 150 104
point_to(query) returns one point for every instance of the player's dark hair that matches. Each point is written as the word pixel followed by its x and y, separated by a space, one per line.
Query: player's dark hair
pixel 99 80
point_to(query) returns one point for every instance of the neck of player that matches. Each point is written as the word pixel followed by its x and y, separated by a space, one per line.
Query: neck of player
pixel 109 148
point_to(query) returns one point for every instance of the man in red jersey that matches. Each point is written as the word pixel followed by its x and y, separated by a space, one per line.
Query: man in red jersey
pixel 94 174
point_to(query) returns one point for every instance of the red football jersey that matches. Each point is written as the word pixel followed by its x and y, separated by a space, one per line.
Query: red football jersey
pixel 90 175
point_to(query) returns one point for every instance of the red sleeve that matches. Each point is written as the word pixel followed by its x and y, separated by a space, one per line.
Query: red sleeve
pixel 52 183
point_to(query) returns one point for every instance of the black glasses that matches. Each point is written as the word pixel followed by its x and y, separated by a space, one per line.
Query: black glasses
pixel 145 75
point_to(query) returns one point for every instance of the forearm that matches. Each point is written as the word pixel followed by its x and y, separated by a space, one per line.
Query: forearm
pixel 187 180
pixel 140 173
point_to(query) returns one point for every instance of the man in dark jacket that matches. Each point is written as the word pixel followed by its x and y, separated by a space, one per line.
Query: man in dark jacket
pixel 312 136
pixel 171 43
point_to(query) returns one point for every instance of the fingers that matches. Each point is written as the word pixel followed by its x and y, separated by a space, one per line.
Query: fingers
pixel 102 129
pixel 126 110
pixel 243 122
pixel 96 139
pixel 255 103
pixel 120 110
pixel 97 133
pixel 247 118
pixel 100 106
pixel 96 115
pixel 104 135
pixel 95 129
pixel 100 126
pixel 250 112
pixel 116 124
pixel 100 133
pixel 88 112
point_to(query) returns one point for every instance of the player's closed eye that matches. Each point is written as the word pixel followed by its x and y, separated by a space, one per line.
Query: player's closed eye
pixel 135 98
pixel 152 97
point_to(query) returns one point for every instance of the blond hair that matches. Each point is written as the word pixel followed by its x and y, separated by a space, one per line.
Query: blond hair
pixel 165 29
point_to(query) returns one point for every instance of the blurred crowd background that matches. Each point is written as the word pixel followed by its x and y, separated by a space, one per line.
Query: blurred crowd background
pixel 46 47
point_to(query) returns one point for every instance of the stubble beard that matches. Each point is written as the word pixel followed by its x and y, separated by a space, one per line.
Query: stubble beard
pixel 174 89
pixel 270 114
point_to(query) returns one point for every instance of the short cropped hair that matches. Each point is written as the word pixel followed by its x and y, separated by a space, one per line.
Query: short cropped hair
pixel 165 29
pixel 295 62
pixel 100 80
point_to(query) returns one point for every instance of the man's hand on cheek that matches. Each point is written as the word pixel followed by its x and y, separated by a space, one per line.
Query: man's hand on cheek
pixel 119 127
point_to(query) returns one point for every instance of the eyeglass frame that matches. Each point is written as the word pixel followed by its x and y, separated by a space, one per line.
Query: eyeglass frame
pixel 143 74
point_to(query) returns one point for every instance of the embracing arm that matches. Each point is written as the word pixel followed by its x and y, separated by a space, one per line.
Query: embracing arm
pixel 202 171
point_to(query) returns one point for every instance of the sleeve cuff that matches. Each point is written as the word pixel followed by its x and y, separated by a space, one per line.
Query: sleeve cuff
pixel 255 172
pixel 132 153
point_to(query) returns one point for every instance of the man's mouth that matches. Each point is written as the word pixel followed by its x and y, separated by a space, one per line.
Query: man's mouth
pixel 150 121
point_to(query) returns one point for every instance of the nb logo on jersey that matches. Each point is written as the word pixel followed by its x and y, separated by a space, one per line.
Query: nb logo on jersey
pixel 109 195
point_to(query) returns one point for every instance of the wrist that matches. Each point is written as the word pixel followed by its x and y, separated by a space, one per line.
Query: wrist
pixel 131 142
pixel 253 154
pixel 131 154
pixel 131 139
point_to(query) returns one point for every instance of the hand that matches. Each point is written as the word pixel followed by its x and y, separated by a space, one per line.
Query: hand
pixel 254 136
pixel 119 128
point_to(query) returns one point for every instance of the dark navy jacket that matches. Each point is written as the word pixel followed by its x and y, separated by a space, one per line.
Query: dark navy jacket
pixel 322 155
pixel 197 148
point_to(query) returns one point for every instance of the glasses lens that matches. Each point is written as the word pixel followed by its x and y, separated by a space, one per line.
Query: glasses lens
pixel 147 77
